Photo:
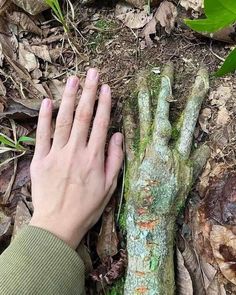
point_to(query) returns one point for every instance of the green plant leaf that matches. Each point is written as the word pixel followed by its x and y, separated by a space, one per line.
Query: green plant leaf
pixel 228 66
pixel 26 139
pixel 219 13
pixel 7 141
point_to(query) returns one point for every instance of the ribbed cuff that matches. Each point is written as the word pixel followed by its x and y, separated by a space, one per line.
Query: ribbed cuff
pixel 37 262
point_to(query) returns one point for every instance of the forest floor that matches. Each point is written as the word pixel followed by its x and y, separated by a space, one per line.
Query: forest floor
pixel 36 66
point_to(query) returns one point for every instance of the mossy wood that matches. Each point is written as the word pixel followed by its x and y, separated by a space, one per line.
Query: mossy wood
pixel 158 178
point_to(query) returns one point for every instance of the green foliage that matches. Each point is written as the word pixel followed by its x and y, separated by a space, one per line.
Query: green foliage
pixel 118 288
pixel 229 65
pixel 219 14
pixel 7 142
pixel 55 6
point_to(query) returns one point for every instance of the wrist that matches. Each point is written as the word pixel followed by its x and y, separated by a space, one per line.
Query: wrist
pixel 69 235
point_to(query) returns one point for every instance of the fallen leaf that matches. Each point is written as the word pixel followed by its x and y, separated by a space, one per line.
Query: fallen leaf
pixel 220 96
pixel 223 242
pixel 32 6
pixel 191 263
pixel 131 17
pixel 3 90
pixel 22 218
pixel 27 59
pixel 5 223
pixel 8 41
pixel 223 117
pixel 196 5
pixel 184 283
pixel 165 16
pixel 204 119
pixel 107 244
pixel 41 52
pixel 4 4
pixel 24 21
pixel 219 203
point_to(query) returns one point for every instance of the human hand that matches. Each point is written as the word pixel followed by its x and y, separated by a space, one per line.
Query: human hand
pixel 72 180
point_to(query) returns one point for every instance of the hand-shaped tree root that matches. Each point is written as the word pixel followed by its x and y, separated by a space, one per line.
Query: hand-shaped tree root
pixel 158 179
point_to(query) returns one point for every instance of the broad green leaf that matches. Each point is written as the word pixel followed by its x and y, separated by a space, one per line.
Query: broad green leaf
pixel 228 66
pixel 219 13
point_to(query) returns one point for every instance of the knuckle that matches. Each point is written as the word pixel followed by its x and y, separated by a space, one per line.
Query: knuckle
pixel 90 85
pixel 103 123
pixel 63 122
pixel 84 116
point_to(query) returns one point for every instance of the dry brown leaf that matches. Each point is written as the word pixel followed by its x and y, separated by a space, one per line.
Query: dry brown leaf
pixel 184 283
pixel 5 223
pixel 204 119
pixel 27 59
pixel 165 16
pixel 41 52
pixel 4 4
pixel 32 6
pixel 220 96
pixel 223 242
pixel 56 88
pixel 191 263
pixel 131 17
pixel 223 117
pixel 22 218
pixel 108 241
pixel 8 41
pixel 196 5
pixel 24 21
pixel 3 90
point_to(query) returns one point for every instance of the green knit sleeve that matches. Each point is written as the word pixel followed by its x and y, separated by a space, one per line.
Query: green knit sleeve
pixel 38 263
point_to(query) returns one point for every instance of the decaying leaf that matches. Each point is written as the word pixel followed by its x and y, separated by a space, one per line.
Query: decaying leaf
pixel 5 223
pixel 220 96
pixel 131 17
pixel 22 217
pixel 24 21
pixel 196 5
pixel 184 283
pixel 3 90
pixel 204 118
pixel 192 265
pixel 27 59
pixel 108 241
pixel 223 117
pixel 4 4
pixel 223 242
pixel 8 42
pixel 165 16
pixel 32 6
pixel 41 52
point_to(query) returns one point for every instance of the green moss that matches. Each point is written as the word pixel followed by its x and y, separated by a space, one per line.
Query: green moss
pixel 98 38
pixel 118 288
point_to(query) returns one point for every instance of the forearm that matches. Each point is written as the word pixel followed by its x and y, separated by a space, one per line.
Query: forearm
pixel 37 262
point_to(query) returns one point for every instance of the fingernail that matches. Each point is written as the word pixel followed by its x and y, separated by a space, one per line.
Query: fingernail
pixel 46 102
pixel 118 139
pixel 105 88
pixel 72 81
pixel 92 74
